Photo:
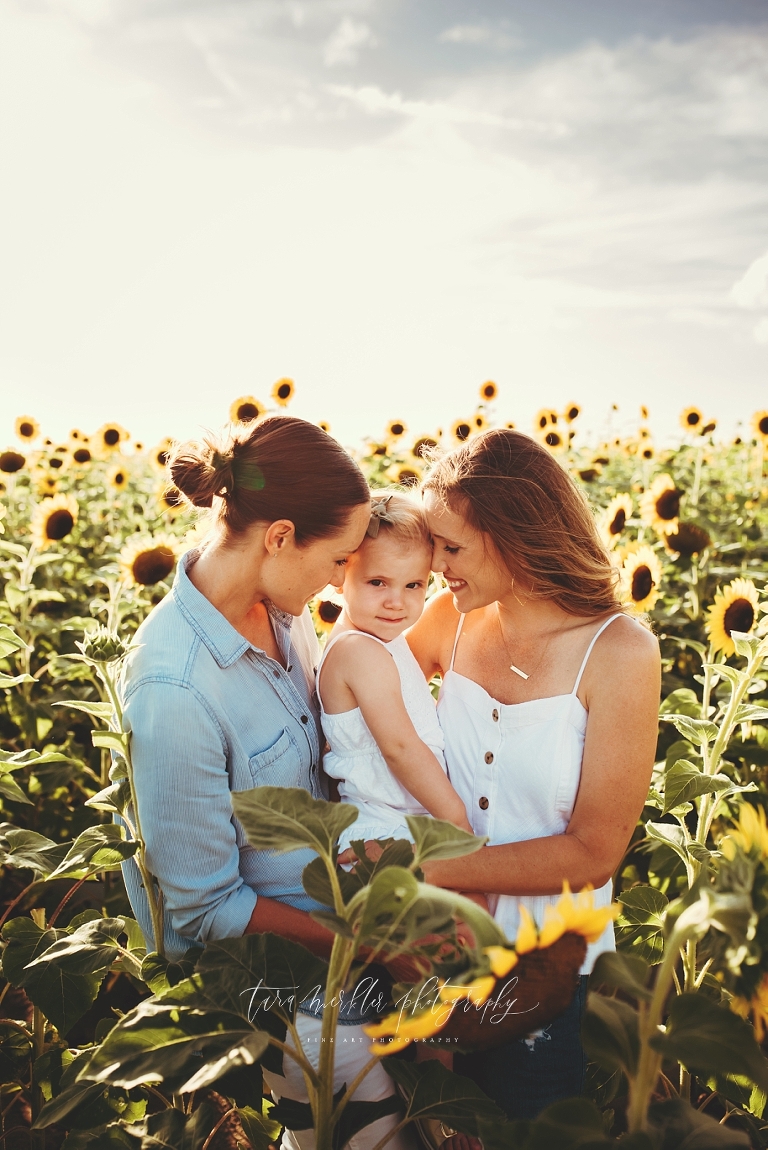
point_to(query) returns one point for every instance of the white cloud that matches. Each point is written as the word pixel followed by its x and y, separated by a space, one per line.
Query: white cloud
pixel 751 291
pixel 478 34
pixel 344 45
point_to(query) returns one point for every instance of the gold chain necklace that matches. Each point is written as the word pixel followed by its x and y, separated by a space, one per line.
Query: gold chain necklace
pixel 512 666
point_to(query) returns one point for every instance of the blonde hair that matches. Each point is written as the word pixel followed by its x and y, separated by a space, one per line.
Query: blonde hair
pixel 399 517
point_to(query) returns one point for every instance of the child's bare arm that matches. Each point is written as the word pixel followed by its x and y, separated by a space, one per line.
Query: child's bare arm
pixel 370 674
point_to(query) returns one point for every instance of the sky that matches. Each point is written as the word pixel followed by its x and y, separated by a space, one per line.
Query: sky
pixel 387 201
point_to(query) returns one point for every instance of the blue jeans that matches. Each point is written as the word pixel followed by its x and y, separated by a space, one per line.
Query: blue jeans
pixel 529 1074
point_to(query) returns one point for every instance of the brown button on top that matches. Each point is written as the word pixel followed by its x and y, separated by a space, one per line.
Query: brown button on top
pixel 276 673
pixel 483 803
pixel 305 718
pixel 495 715
pixel 489 756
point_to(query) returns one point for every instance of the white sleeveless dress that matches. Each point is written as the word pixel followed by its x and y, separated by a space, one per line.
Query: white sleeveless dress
pixel 517 768
pixel 357 763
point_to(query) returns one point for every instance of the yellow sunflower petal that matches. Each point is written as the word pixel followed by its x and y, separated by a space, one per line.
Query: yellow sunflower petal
pixel 734 609
pixel 475 992
pixel 501 959
pixel 527 935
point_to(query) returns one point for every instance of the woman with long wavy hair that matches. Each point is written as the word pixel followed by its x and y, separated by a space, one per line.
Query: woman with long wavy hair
pixel 548 704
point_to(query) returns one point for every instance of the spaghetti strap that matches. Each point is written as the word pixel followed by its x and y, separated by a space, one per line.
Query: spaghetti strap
pixel 327 648
pixel 456 640
pixel 595 637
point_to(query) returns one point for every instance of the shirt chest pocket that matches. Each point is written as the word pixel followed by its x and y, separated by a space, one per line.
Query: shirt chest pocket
pixel 279 765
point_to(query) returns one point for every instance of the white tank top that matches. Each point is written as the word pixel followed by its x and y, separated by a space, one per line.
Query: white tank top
pixel 517 768
pixel 355 760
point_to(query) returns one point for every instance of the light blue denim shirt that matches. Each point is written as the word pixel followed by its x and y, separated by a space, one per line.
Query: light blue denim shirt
pixel 211 714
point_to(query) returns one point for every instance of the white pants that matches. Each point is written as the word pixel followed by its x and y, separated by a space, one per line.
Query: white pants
pixel 351 1055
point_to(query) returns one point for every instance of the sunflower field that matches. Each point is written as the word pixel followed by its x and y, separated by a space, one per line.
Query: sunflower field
pixel 105 1046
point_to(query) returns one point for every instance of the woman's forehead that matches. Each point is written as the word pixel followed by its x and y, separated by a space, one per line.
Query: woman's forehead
pixel 440 515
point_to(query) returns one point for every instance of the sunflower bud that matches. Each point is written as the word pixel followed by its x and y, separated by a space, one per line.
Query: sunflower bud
pixel 103 646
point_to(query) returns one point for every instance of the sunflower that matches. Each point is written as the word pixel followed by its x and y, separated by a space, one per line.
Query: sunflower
pixel 78 435
pixel 646 451
pixel 688 539
pixel 760 425
pixel 544 418
pixel 282 391
pixel 161 452
pixel 734 609
pixel 396 429
pixel 27 428
pixel 615 517
pixel 709 427
pixel 117 477
pixel 423 447
pixel 58 458
pixel 109 437
pixel 510 426
pixel 479 422
pixel 691 419
pixel 325 426
pixel 148 559
pixel 553 440
pixel 11 461
pixel 461 430
pixel 488 391
pixel 325 609
pixel 757 1006
pixel 590 474
pixel 82 455
pixel 572 411
pixel 660 506
pixel 171 500
pixel 578 915
pixel 644 412
pixel 750 833
pixel 47 485
pixel 405 474
pixel 53 519
pixel 640 579
pixel 246 409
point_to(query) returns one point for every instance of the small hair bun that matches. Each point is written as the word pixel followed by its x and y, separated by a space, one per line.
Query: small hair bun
pixel 201 470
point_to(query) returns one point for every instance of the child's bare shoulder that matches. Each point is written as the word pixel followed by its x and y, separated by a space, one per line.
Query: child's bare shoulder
pixel 356 652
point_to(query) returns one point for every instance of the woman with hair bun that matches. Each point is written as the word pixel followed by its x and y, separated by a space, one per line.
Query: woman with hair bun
pixel 548 705
pixel 219 695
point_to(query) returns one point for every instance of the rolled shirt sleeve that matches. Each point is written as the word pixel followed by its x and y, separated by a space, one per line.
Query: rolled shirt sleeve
pixel 179 755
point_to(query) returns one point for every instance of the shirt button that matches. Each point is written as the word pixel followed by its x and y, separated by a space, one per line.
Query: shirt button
pixel 305 718
pixel 489 757
pixel 483 803
pixel 276 673
pixel 289 669
pixel 495 715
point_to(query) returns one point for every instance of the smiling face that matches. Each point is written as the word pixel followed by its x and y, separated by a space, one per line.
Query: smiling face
pixel 385 584
pixel 466 558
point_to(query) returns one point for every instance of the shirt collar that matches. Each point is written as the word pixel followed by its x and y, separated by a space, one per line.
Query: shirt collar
pixel 224 641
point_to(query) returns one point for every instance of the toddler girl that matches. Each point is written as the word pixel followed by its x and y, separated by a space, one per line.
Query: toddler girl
pixel 378 714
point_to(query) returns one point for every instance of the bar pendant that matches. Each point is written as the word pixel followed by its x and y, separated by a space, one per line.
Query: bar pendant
pixel 517 671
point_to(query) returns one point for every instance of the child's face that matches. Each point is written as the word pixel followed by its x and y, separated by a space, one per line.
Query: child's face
pixel 385 583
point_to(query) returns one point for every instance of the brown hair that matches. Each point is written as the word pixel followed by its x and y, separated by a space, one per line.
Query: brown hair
pixel 278 468
pixel 510 488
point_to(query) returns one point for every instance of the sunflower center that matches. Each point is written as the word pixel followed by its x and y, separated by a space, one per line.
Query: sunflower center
pixel 489 390
pixel 153 565
pixel 552 439
pixel 573 413
pixel 543 421
pixel 247 412
pixel 11 461
pixel 162 458
pixel 396 428
pixel 59 523
pixel 173 497
pixel 692 418
pixel 739 616
pixel 642 583
pixel 463 431
pixel 668 504
pixel 119 479
pixel 82 455
pixel 284 391
pixel 407 478
pixel 763 425
pixel 111 437
pixel 618 521
pixel 328 611
pixel 422 446
pixel 55 462
pixel 27 430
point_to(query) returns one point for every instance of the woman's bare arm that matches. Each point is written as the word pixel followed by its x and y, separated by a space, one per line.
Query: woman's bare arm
pixel 622 688
pixel 431 637
pixel 270 916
